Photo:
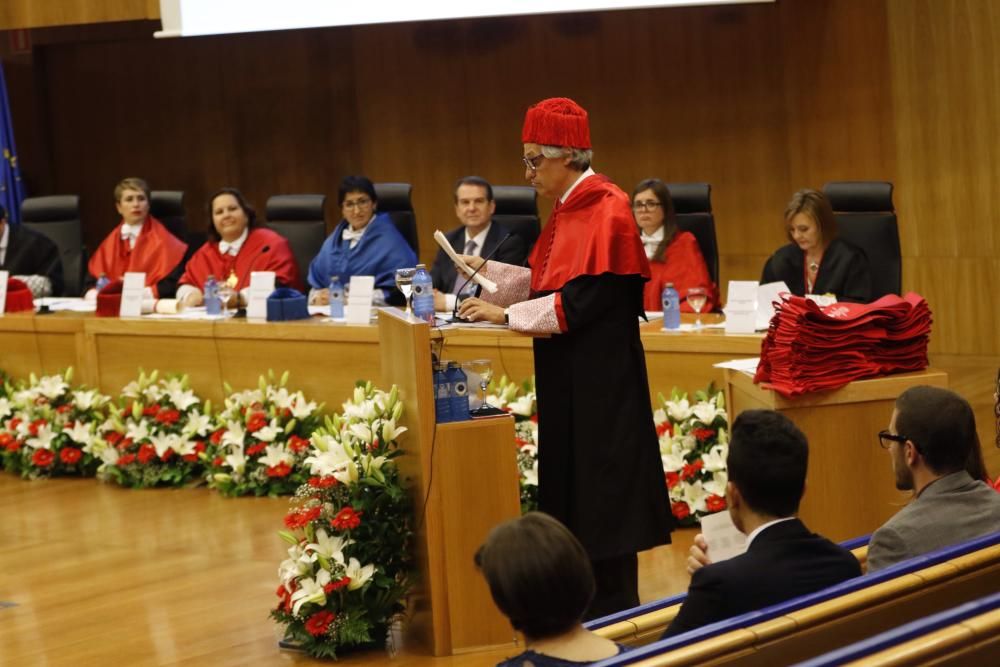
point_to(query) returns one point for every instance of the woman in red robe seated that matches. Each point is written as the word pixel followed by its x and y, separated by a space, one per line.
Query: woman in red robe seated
pixel 236 247
pixel 674 255
pixel 140 243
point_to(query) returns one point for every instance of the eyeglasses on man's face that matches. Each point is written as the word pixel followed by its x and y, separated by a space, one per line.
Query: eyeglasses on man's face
pixel 886 439
pixel 533 161
pixel 648 205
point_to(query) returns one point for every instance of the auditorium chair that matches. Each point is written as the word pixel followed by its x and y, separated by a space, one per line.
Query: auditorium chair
pixel 300 219
pixel 866 218
pixel 167 206
pixel 517 209
pixel 693 205
pixel 58 217
pixel 810 625
pixel 394 199
pixel 968 634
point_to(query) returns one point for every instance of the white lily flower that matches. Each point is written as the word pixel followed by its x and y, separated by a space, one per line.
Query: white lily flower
pixel 23 429
pixel 296 565
pixel 672 462
pixel 6 408
pixel 87 400
pixel 183 446
pixel 236 460
pixel 364 411
pixel 330 457
pixel 44 438
pixel 715 458
pixel 495 401
pixel 310 591
pixel 530 475
pixel 234 434
pixel 659 416
pixel 81 432
pixel 358 574
pixel 197 424
pixel 52 386
pixel 275 454
pixel 524 406
pixel 372 464
pixel 302 408
pixel 679 410
pixel 717 485
pixel 109 455
pixel 153 393
pixel 706 412
pixel 137 431
pixel 329 547
pixel 132 389
pixel 362 432
pixel 162 442
pixel 390 431
pixel 281 397
pixel 182 399
pixel 269 432
pixel 694 495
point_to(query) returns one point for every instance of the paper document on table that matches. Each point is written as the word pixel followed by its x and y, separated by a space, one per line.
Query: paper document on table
pixel 442 241
pixel 724 540
pixel 79 305
pixel 747 366
pixel 767 295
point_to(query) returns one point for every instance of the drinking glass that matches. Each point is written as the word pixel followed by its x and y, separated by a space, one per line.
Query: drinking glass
pixel 226 293
pixel 484 369
pixel 404 278
pixel 696 297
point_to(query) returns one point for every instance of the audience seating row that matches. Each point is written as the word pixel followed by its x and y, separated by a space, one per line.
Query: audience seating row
pixel 864 212
pixel 808 626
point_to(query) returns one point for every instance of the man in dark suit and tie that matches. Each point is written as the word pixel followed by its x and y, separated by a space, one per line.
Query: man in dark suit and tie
pixel 478 236
pixel 768 457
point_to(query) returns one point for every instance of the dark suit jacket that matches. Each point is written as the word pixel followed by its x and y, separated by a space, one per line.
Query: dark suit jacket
pixel 512 252
pixel 30 253
pixel 783 562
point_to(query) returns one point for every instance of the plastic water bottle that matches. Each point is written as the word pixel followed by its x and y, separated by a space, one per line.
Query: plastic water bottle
pixel 442 395
pixel 459 392
pixel 336 297
pixel 671 307
pixel 102 282
pixel 213 302
pixel 423 295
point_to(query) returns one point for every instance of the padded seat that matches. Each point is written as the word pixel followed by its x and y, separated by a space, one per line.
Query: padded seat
pixel 866 217
pixel 58 217
pixel 395 199
pixel 301 220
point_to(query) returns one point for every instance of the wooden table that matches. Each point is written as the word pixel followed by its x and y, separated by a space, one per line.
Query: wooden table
pixel 323 358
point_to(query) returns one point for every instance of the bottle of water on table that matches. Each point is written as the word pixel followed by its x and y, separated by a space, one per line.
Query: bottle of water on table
pixel 459 392
pixel 671 307
pixel 213 302
pixel 423 295
pixel 442 394
pixel 336 297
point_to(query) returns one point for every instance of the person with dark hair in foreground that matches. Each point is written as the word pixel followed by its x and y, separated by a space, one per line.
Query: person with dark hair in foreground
pixel 931 435
pixel 540 578
pixel 30 257
pixel 768 458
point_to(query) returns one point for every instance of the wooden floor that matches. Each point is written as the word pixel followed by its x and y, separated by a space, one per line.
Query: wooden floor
pixel 95 575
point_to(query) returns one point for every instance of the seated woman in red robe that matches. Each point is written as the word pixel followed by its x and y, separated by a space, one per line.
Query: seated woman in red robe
pixel 674 255
pixel 236 247
pixel 139 243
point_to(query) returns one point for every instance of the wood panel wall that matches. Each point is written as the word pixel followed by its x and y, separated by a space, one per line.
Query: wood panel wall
pixel 44 13
pixel 758 100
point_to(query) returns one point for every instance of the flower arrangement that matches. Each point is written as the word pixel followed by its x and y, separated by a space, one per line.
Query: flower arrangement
pixel 694 443
pixel 348 533
pixel 261 439
pixel 49 428
pixel 156 437
pixel 519 400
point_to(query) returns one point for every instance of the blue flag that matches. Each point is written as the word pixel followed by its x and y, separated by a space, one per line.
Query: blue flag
pixel 11 187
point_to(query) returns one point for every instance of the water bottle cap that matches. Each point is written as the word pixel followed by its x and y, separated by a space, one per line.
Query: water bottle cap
pixel 670 284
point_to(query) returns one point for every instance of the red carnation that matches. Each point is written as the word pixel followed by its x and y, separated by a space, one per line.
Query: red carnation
pixel 297 444
pixel 14 445
pixel 300 517
pixel 217 462
pixel 216 437
pixel 64 408
pixel 334 585
pixel 199 447
pixel 322 482
pixel 346 519
pixel 319 622
pixel 167 455
pixel 126 459
pixel 256 449
pixel 42 458
pixel 34 426
pixel 691 469
pixel 151 410
pixel 285 596
pixel 715 503
pixel 680 510
pixel 5 439
pixel 256 422
pixel 168 416
pixel 673 479
pixel 146 453
pixel 665 427
pixel 280 470
pixel 70 455
pixel 14 423
pixel 113 438
pixel 703 434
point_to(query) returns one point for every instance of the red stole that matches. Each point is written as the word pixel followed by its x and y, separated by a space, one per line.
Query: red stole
pixel 208 261
pixel 591 233
pixel 157 252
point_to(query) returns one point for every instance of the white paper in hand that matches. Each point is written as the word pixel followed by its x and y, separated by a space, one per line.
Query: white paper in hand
pixel 442 241
pixel 724 540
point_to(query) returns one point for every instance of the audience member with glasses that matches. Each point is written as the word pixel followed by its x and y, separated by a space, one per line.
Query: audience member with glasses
pixel 674 255
pixel 931 440
pixel 364 243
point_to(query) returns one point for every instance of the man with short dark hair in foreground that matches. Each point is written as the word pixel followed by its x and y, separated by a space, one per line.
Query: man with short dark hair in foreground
pixel 768 458
pixel 931 435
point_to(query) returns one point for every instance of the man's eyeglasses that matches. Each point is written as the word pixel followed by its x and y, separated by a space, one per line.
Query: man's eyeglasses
pixel 360 203
pixel 533 162
pixel 646 205
pixel 886 439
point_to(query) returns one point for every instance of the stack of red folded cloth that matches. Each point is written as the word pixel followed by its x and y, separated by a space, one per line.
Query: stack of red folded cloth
pixel 813 348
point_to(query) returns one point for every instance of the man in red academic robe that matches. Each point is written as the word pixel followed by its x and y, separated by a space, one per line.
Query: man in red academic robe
pixel 599 464
pixel 139 242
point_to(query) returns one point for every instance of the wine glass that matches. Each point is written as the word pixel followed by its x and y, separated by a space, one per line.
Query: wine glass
pixel 484 369
pixel 404 278
pixel 226 293
pixel 696 297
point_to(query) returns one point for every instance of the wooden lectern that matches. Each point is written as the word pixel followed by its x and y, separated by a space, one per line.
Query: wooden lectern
pixel 850 487
pixel 464 481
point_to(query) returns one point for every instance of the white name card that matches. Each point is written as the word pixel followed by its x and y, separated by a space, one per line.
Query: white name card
pixel 3 290
pixel 261 286
pixel 359 300
pixel 741 308
pixel 133 286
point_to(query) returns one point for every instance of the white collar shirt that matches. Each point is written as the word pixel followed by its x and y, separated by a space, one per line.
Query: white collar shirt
pixel 233 248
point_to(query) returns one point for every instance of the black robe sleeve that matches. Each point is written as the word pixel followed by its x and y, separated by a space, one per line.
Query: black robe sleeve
pixel 588 300
pixel 30 253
